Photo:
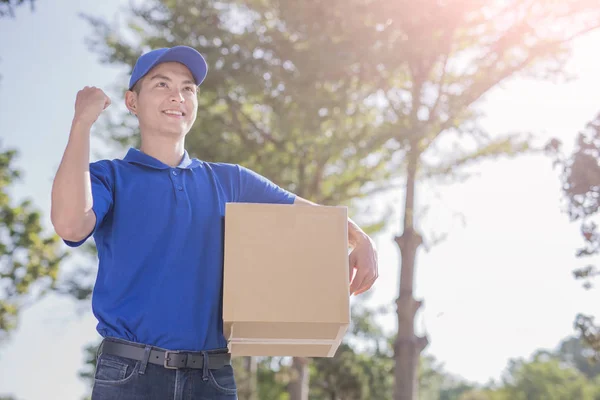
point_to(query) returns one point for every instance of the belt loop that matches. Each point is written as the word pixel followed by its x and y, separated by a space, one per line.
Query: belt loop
pixel 204 366
pixel 98 350
pixel 142 370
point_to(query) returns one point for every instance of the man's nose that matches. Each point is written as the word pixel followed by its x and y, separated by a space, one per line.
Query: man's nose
pixel 177 96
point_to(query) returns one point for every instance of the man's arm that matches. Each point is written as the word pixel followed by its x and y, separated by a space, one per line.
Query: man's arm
pixel 363 257
pixel 71 210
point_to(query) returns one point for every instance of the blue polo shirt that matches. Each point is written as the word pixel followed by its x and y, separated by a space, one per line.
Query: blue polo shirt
pixel 159 233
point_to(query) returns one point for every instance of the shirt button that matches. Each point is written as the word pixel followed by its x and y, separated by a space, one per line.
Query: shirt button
pixel 180 188
pixel 174 172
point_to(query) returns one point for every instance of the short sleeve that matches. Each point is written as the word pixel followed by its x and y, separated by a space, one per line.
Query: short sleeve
pixel 102 195
pixel 255 188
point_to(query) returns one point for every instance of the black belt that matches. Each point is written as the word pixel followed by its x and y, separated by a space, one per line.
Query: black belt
pixel 167 358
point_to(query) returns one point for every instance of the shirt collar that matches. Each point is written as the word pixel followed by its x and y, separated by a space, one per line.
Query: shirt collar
pixel 135 156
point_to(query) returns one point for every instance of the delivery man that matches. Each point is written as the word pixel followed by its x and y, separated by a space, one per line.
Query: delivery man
pixel 156 216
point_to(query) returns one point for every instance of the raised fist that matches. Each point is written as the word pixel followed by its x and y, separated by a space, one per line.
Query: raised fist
pixel 90 103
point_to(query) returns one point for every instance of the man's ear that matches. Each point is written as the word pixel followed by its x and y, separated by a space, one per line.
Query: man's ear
pixel 131 101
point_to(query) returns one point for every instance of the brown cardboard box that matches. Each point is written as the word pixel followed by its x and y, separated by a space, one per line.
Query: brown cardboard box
pixel 286 289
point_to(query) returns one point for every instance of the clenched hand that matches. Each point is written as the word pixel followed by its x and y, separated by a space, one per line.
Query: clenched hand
pixel 364 260
pixel 89 104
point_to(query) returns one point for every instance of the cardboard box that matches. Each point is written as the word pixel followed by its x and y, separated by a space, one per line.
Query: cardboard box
pixel 286 290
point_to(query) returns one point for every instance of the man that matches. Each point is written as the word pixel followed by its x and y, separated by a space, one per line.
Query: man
pixel 156 220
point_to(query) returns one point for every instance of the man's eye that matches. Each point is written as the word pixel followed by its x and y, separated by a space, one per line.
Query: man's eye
pixel 191 89
pixel 162 84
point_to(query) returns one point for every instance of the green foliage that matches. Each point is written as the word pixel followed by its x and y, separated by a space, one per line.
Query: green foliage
pixel 29 259
pixel 574 352
pixel 563 374
pixel 546 380
pixel 363 365
pixel 437 384
pixel 79 282
pixel 267 102
pixel 87 373
pixel 272 380
pixel 476 394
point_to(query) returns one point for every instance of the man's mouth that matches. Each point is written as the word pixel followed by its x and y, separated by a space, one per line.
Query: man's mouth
pixel 174 113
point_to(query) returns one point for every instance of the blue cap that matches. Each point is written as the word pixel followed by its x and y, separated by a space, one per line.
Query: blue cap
pixel 185 55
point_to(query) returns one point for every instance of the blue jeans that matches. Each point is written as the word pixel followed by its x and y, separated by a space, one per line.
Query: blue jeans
pixel 119 378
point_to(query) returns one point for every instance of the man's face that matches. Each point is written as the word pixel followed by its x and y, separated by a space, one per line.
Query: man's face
pixel 167 100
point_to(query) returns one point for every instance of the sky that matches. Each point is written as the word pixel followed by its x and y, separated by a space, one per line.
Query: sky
pixel 499 287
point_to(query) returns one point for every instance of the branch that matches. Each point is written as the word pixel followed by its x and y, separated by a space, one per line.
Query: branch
pixel 416 103
pixel 236 121
pixel 433 109
pixel 509 146
pixel 397 111
pixel 590 333
pixel 233 104
pixel 301 176
pixel 383 188
pixel 318 175
pixel 345 186
pixel 539 51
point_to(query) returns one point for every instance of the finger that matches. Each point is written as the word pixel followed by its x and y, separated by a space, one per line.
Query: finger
pixel 365 287
pixel 358 281
pixel 107 102
pixel 351 267
pixel 368 278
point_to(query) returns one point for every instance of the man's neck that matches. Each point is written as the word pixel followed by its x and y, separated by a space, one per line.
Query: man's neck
pixel 169 151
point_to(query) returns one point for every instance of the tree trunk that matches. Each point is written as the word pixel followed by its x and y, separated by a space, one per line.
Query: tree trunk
pixel 246 369
pixel 298 386
pixel 252 369
pixel 408 346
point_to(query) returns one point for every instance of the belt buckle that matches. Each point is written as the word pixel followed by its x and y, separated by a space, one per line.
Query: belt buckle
pixel 167 359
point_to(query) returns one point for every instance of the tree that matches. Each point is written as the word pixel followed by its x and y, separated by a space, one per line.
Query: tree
pixel 573 350
pixel 362 368
pixel 562 373
pixel 546 379
pixel 7 7
pixel 580 176
pixel 437 384
pixel 265 104
pixel 437 61
pixel 29 259
pixel 333 105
